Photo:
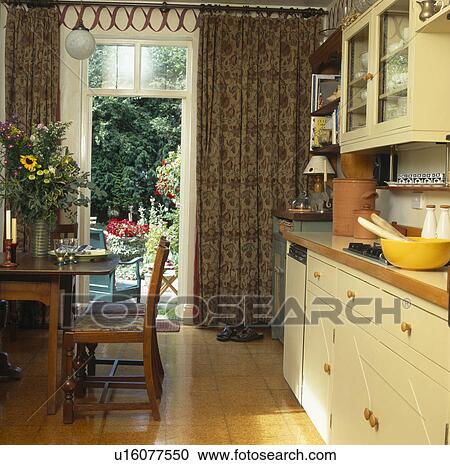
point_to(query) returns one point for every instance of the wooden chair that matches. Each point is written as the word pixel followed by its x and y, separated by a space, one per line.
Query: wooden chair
pixel 64 231
pixel 138 326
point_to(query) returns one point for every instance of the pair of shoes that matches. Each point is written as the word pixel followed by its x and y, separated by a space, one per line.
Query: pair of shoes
pixel 239 333
pixel 228 332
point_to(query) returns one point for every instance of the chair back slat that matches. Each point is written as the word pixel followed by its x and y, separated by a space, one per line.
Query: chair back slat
pixel 64 231
pixel 154 287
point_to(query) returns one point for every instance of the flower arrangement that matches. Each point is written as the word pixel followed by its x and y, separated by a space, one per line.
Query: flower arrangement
pixel 40 175
pixel 126 239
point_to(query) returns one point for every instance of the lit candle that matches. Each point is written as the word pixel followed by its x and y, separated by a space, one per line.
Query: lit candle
pixel 8 224
pixel 325 174
pixel 14 230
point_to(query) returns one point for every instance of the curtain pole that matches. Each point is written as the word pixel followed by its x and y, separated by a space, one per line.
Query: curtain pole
pixel 304 12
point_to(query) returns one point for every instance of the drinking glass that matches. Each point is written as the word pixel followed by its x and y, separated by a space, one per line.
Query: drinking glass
pixel 60 251
pixel 72 246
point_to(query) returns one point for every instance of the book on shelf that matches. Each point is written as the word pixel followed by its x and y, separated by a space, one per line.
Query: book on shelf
pixel 321 131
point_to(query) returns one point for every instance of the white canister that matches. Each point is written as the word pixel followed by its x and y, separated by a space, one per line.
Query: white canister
pixel 429 225
pixel 443 227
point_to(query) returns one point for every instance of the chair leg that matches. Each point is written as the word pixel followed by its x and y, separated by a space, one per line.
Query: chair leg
pixel 69 385
pixel 150 381
pixel 91 363
pixel 80 371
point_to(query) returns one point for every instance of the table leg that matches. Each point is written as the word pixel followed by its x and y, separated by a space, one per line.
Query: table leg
pixel 6 368
pixel 53 345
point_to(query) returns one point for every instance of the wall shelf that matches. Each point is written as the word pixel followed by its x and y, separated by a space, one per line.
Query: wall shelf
pixel 328 54
pixel 328 149
pixel 437 23
pixel 327 109
pixel 415 188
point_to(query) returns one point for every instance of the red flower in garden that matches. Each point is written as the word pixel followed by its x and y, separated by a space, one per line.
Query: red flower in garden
pixel 126 228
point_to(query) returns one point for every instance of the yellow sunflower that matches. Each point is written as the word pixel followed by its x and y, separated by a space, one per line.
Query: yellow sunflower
pixel 29 162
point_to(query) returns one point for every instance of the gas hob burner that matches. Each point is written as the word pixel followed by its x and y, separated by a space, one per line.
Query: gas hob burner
pixel 372 251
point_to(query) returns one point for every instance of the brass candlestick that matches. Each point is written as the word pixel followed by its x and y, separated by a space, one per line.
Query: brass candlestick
pixel 8 247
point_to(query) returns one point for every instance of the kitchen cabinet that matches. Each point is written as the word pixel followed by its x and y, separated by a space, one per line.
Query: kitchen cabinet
pixel 388 401
pixel 318 362
pixel 370 377
pixel 387 98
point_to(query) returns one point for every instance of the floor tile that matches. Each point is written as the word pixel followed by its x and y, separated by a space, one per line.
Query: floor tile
pixel 213 393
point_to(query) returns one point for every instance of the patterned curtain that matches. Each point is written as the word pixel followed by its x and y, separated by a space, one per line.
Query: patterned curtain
pixel 253 134
pixel 32 65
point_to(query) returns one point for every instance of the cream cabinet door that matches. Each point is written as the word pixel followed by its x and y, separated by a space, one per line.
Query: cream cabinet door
pixel 409 407
pixel 351 394
pixel 405 405
pixel 294 319
pixel 318 364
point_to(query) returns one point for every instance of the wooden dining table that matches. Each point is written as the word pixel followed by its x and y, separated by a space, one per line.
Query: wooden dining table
pixel 42 280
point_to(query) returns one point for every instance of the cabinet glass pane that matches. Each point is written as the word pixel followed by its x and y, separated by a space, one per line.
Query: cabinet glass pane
pixel 393 77
pixel 112 67
pixel 357 85
pixel 163 67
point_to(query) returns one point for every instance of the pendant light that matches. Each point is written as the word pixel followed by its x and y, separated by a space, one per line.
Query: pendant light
pixel 80 43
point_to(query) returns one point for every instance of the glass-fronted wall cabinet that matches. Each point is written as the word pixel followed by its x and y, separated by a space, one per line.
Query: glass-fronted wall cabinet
pixel 390 78
pixel 355 85
pixel 393 61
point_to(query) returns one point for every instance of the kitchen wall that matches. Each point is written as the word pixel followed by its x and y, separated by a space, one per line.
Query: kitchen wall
pixel 414 158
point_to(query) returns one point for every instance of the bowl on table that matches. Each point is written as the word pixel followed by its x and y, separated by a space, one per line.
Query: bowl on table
pixel 417 254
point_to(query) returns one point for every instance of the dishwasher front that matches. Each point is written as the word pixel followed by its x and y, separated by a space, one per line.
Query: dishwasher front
pixel 294 317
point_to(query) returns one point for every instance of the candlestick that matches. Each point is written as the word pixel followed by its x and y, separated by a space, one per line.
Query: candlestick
pixel 8 224
pixel 325 173
pixel 8 263
pixel 14 230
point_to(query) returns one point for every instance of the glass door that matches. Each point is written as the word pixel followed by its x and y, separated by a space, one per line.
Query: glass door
pixel 357 79
pixel 393 61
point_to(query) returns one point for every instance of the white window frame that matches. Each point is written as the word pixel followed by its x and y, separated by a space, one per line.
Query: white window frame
pixel 187 182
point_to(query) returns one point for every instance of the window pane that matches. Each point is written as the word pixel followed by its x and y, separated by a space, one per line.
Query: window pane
pixel 163 67
pixel 112 67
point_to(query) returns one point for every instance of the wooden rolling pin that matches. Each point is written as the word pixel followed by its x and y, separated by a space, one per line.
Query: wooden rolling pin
pixel 380 232
pixel 386 226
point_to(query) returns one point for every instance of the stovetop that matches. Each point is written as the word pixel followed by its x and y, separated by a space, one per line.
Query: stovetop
pixel 370 251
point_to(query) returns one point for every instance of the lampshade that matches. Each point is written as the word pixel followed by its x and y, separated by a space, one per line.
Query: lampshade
pixel 316 165
pixel 80 43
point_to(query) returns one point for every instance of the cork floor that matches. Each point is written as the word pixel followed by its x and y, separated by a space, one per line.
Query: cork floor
pixel 214 393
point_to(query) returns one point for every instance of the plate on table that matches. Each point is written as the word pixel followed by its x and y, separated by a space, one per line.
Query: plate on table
pixel 94 255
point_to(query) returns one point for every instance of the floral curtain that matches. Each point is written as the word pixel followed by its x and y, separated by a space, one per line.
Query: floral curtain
pixel 32 65
pixel 253 134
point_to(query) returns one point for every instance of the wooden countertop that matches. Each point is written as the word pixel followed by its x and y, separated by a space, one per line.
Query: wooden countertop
pixel 429 285
pixel 302 216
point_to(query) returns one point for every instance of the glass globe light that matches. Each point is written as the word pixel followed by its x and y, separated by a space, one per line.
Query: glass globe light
pixel 80 43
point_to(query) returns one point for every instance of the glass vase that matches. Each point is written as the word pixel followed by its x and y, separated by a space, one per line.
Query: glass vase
pixel 40 238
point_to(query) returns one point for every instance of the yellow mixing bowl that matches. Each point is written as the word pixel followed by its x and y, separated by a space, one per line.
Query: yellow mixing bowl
pixel 420 254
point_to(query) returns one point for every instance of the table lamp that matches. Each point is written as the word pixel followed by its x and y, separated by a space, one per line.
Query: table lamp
pixel 319 167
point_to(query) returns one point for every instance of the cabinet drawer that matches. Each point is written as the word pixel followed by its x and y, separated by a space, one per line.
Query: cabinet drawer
pixel 424 332
pixel 350 287
pixel 322 275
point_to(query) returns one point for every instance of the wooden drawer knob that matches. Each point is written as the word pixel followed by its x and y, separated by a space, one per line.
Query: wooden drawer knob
pixel 368 77
pixel 317 274
pixel 351 294
pixel 373 421
pixel 406 327
pixel 367 413
pixel 327 368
